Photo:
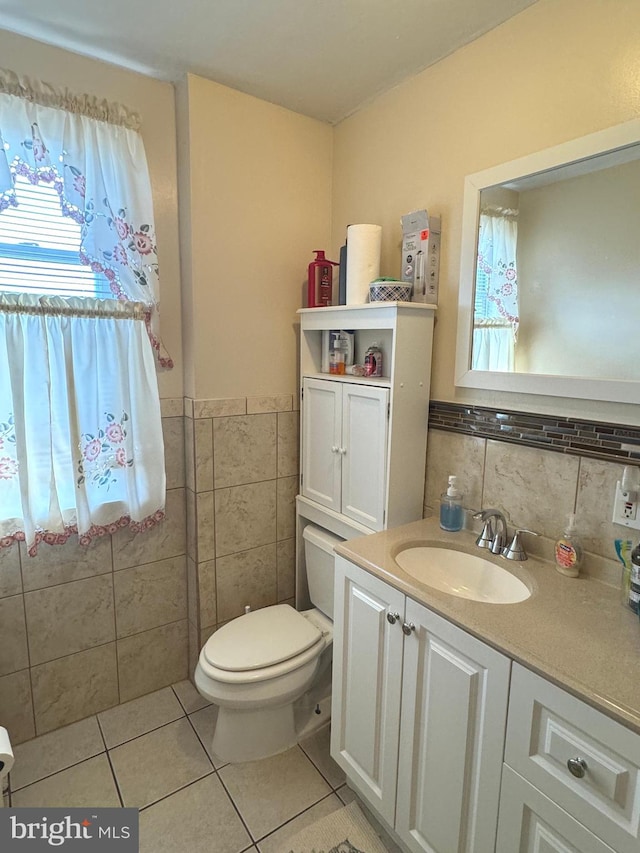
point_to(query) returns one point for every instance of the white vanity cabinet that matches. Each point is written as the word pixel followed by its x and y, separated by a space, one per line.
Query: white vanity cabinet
pixel 576 772
pixel 344 446
pixel 418 716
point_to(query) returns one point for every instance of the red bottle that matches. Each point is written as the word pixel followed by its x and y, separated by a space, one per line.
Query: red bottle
pixel 320 289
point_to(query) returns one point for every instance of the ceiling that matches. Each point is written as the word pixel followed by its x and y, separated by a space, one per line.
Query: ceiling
pixel 322 58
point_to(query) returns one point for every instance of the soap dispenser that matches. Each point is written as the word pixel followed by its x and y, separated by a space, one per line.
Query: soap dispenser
pixel 568 551
pixel 451 511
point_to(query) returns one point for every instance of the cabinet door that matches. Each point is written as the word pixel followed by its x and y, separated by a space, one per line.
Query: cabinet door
pixel 454 708
pixel 364 454
pixel 321 442
pixel 367 672
pixel 532 823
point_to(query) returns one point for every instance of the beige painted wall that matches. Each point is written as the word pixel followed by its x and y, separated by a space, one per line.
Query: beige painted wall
pixel 558 70
pixel 154 101
pixel 259 181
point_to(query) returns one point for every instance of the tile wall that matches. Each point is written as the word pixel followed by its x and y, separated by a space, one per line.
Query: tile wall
pixel 87 628
pixel 241 483
pixel 536 488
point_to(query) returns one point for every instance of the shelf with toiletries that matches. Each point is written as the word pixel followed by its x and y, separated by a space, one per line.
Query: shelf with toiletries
pixel 363 439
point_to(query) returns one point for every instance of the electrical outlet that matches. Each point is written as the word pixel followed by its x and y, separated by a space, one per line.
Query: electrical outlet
pixel 625 508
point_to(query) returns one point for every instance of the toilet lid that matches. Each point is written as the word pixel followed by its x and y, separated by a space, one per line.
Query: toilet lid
pixel 261 638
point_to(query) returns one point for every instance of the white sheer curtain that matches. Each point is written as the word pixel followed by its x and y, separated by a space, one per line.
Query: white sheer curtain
pixel 496 317
pixel 81 447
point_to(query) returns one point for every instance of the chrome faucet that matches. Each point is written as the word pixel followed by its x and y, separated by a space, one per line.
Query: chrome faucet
pixel 496 540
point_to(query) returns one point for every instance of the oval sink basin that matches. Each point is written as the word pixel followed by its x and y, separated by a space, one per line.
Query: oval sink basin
pixel 461 574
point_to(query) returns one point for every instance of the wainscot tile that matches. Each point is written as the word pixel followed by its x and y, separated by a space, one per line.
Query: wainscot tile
pixel 245 517
pixel 68 618
pixel 74 687
pixel 245 449
pixel 151 595
pixel 153 659
pixel 16 708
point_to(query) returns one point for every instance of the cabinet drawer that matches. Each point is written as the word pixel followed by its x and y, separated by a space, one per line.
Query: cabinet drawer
pixel 530 823
pixel 548 729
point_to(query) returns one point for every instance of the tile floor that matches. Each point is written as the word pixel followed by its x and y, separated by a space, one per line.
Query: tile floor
pixel 154 753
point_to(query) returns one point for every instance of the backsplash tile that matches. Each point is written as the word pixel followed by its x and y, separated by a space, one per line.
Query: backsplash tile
pixel 535 489
pixel 535 485
pixel 614 442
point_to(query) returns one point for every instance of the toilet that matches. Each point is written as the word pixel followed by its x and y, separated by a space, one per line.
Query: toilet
pixel 269 671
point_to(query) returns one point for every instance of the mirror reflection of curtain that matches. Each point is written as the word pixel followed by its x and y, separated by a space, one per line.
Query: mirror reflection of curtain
pixel 496 319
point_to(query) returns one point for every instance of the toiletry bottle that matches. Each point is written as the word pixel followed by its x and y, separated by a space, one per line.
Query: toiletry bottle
pixel 568 550
pixel 633 599
pixel 451 511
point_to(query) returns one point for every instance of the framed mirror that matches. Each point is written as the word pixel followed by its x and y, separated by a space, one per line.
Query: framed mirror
pixel 549 299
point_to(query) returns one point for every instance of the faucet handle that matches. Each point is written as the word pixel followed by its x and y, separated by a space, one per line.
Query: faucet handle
pixel 485 540
pixel 515 551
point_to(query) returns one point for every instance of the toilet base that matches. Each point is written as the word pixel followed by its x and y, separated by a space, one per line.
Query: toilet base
pixel 248 735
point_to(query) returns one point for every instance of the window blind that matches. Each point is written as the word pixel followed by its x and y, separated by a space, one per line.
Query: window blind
pixel 39 247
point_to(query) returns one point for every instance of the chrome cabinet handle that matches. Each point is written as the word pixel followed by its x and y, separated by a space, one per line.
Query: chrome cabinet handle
pixel 408 627
pixel 577 767
pixel 392 618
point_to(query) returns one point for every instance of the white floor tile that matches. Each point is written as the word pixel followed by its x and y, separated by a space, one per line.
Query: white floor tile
pixel 277 841
pixel 316 748
pixel 197 819
pixel 55 751
pixel 271 791
pixel 159 763
pixel 134 718
pixel 87 784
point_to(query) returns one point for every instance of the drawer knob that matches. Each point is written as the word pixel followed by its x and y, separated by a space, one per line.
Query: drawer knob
pixel 408 627
pixel 577 766
pixel 392 618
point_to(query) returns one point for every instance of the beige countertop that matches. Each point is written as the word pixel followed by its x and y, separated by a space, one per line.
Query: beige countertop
pixel 573 631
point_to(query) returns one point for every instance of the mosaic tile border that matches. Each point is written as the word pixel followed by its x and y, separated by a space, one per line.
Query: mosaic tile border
pixel 612 442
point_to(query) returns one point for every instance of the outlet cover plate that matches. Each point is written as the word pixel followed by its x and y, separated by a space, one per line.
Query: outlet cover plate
pixel 625 511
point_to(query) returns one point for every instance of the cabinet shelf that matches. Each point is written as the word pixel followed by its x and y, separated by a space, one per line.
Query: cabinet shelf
pixel 379 381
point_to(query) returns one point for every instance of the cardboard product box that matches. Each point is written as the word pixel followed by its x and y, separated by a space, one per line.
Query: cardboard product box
pixel 421 255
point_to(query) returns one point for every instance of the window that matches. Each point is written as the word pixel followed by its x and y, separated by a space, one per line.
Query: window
pixel 40 247
pixel 81 448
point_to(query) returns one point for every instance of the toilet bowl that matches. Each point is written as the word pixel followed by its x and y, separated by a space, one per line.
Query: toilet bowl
pixel 267 671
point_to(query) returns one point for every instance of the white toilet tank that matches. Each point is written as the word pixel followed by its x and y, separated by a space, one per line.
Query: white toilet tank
pixel 319 558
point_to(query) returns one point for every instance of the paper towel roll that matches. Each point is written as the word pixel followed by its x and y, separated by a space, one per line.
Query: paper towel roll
pixel 363 261
pixel 6 754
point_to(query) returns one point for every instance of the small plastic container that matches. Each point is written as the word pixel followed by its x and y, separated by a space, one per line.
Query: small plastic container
pixel 451 509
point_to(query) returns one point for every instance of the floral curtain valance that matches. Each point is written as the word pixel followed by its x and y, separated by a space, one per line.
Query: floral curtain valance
pixel 91 153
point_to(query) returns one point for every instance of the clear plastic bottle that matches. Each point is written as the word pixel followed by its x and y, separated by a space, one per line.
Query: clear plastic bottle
pixel 451 510
pixel 568 550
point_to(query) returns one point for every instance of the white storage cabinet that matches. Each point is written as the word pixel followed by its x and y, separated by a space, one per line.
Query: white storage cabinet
pixel 344 448
pixel 418 716
pixel 577 773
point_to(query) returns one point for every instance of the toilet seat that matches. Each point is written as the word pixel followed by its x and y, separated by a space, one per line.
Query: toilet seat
pixel 261 645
